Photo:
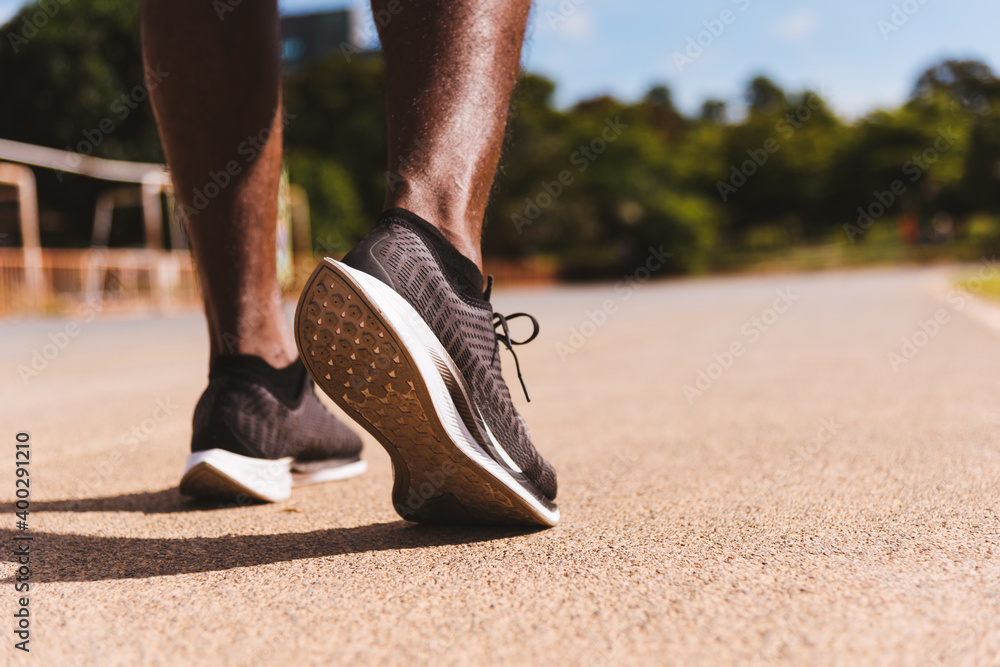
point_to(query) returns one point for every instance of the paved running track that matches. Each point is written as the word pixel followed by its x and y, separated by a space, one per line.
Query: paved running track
pixel 809 499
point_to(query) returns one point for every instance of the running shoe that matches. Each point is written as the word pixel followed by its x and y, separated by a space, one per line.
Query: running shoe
pixel 252 440
pixel 402 336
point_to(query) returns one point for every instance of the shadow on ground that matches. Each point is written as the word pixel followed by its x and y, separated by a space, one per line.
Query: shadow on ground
pixel 65 557
pixel 167 501
pixel 59 557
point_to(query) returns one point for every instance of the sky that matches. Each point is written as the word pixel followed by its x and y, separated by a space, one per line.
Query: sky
pixel 859 54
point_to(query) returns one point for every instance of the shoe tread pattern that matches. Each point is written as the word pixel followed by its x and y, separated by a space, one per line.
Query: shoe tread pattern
pixel 359 362
pixel 465 328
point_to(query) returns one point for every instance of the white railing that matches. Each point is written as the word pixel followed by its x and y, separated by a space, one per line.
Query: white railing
pixel 100 279
pixel 28 277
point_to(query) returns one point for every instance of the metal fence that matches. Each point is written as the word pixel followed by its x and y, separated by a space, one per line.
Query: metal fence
pixel 109 280
pixel 140 280
pixel 135 280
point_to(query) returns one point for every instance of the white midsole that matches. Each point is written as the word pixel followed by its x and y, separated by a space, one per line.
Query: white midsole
pixel 269 479
pixel 330 474
pixel 432 360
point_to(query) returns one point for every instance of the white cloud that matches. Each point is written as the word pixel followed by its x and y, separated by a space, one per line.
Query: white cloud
pixel 579 26
pixel 567 20
pixel 798 25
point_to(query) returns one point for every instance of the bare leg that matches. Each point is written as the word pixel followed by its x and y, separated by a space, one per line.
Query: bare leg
pixel 222 88
pixel 451 66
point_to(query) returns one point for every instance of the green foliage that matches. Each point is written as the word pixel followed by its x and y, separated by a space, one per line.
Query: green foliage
pixel 72 78
pixel 336 212
pixel 71 74
pixel 594 186
pixel 336 114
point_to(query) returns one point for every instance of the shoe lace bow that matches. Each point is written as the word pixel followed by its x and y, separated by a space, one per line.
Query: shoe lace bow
pixel 503 335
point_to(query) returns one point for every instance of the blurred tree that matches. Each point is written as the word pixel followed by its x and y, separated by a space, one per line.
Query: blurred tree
pixel 713 111
pixel 763 96
pixel 964 94
pixel 81 68
pixel 981 187
pixel 659 111
pixel 969 82
pixel 337 215
pixel 72 78
pixel 594 186
pixel 336 116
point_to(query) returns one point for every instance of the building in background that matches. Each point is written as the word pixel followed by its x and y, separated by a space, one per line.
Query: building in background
pixel 305 37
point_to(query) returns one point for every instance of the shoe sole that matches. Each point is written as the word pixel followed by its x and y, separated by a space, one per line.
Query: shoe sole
pixel 376 358
pixel 217 473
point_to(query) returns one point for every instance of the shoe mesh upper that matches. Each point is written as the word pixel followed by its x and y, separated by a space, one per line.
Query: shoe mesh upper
pixel 464 325
pixel 242 417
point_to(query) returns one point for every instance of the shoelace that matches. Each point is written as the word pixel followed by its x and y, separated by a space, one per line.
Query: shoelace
pixel 504 337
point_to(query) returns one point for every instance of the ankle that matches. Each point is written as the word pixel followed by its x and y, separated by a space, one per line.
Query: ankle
pixel 284 383
pixel 457 222
pixel 276 354
pixel 269 339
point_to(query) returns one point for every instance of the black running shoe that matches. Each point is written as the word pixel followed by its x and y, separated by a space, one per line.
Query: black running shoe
pixel 253 440
pixel 402 336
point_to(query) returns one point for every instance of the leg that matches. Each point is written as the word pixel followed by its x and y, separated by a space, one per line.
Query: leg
pixel 223 87
pixel 451 68
pixel 401 333
pixel 219 113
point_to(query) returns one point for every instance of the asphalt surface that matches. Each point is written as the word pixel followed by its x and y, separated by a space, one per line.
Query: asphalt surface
pixel 809 500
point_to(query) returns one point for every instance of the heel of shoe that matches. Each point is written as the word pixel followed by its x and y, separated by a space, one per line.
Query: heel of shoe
pixel 216 473
pixel 377 359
